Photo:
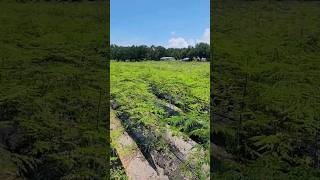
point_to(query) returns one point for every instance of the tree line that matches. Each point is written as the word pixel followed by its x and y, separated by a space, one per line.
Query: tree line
pixel 143 52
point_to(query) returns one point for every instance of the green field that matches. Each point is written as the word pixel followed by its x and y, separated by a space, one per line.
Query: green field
pixel 266 76
pixel 155 94
pixel 52 71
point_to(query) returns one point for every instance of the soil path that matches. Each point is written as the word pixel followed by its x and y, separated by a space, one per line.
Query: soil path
pixel 135 164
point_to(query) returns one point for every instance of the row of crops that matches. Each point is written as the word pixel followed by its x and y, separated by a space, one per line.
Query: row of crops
pixel 152 98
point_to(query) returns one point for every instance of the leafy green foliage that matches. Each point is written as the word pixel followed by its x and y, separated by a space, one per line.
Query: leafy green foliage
pixel 150 93
pixel 53 64
pixel 266 88
pixel 139 88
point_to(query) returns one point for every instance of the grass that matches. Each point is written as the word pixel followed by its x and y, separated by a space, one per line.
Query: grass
pixel 53 65
pixel 266 78
pixel 141 89
pixel 138 87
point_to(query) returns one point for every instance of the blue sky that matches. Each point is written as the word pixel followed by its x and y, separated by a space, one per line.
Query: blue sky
pixel 169 23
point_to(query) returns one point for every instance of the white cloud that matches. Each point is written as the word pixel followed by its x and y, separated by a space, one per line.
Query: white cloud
pixel 178 42
pixel 192 42
pixel 206 36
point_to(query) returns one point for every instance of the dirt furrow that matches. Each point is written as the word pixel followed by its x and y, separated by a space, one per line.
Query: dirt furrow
pixel 151 144
pixel 174 100
pixel 181 149
pixel 134 162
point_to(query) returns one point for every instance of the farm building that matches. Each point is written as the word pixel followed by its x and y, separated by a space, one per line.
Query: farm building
pixel 196 59
pixel 167 58
pixel 185 59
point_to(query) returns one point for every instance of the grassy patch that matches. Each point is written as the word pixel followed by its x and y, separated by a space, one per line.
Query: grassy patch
pixel 266 84
pixel 53 66
pixel 155 94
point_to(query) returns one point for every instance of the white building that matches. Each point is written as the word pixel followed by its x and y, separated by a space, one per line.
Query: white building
pixel 167 58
